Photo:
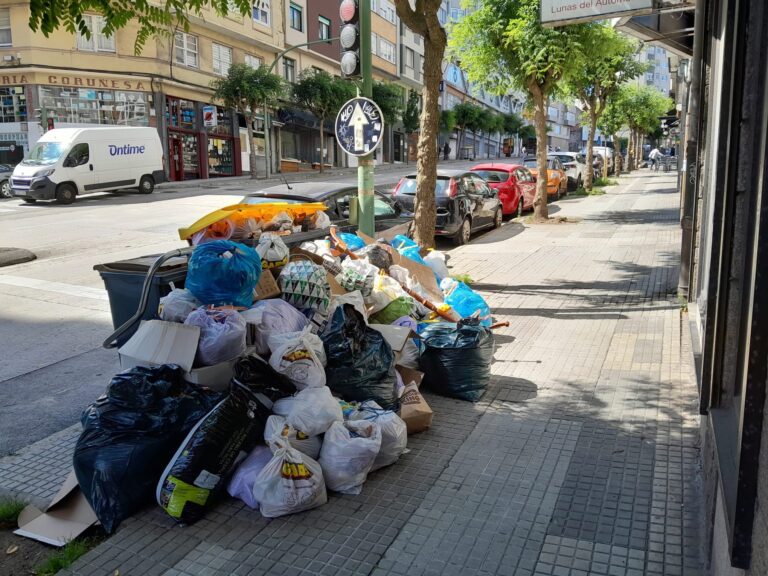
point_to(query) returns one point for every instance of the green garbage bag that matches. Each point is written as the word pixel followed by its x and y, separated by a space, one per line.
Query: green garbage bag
pixel 399 307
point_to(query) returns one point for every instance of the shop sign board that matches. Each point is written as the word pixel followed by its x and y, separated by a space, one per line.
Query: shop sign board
pixel 359 126
pixel 209 116
pixel 561 12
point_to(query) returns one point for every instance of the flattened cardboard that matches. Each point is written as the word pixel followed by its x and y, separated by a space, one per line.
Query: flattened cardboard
pixel 410 376
pixel 67 516
pixel 396 336
pixel 414 410
pixel 266 287
pixel 422 274
pixel 158 342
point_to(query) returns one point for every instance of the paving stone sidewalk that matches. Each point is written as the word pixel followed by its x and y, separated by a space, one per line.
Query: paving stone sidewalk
pixel 581 458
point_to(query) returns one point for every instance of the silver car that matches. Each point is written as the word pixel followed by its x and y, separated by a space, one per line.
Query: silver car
pixel 575 167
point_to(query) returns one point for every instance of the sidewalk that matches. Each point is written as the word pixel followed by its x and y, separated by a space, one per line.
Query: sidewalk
pixel 580 459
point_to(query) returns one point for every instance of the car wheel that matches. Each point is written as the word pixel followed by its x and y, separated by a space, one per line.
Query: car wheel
pixel 5 189
pixel 146 184
pixel 579 182
pixel 462 237
pixel 30 200
pixel 65 194
pixel 498 216
pixel 519 212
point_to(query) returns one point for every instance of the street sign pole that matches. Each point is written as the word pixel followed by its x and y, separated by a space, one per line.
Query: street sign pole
pixel 365 163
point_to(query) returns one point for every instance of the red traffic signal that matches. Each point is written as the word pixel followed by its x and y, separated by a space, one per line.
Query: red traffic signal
pixel 349 38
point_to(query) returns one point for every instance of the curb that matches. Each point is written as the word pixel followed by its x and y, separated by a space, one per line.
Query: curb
pixel 11 256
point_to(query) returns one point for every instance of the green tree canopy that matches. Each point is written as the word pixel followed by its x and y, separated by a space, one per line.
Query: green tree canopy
pixel 389 97
pixel 447 121
pixel 515 51
pixel 247 90
pixel 411 113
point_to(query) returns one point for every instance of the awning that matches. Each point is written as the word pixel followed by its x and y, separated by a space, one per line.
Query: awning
pixel 671 30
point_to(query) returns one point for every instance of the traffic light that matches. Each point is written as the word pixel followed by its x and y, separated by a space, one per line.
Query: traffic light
pixel 46 122
pixel 349 38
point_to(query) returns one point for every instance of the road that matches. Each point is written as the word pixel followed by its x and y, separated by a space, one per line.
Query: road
pixel 54 311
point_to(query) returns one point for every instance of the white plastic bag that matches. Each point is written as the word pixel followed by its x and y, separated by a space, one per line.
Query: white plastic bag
pixel 314 410
pixel 357 275
pixel 321 220
pixel 246 228
pixel 268 317
pixel 300 356
pixel 394 433
pixel 273 251
pixel 177 305
pixel 291 482
pixel 437 261
pixel 385 290
pixel 222 335
pixel 354 298
pixel 241 484
pixel 277 428
pixel 348 453
pixel 403 276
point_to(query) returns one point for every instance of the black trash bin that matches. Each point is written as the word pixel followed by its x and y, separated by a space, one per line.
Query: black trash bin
pixel 124 281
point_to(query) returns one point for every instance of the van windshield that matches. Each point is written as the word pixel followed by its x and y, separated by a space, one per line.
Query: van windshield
pixel 45 153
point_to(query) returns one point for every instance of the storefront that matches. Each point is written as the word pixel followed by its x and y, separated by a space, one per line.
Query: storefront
pixel 221 143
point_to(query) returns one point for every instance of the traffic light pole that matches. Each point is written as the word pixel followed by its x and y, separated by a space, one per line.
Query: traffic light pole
pixel 365 163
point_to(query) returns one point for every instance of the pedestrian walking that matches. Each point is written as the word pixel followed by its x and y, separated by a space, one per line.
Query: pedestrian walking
pixel 446 151
pixel 523 150
pixel 654 158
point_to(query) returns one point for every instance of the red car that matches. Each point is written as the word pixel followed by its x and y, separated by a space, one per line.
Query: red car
pixel 515 184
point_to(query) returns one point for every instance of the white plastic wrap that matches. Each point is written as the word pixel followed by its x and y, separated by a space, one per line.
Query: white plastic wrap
pixel 354 298
pixel 348 453
pixel 222 335
pixel 291 482
pixel 277 428
pixel 437 261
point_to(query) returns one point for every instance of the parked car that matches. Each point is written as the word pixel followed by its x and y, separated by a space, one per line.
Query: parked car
pixel 465 203
pixel 514 184
pixel 557 181
pixel 5 180
pixel 336 196
pixel 604 152
pixel 575 167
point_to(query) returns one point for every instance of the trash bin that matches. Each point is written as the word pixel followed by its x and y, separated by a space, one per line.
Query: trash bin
pixel 124 281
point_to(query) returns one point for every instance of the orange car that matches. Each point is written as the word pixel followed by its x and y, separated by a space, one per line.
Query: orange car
pixel 557 181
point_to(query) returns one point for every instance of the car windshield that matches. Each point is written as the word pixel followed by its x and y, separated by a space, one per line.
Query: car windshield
pixel 530 163
pixel 491 176
pixel 266 200
pixel 45 153
pixel 409 186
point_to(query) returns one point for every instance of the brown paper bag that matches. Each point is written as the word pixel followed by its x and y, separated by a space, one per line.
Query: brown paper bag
pixel 414 410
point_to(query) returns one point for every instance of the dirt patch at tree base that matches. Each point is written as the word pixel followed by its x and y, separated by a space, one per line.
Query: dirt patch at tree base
pixel 29 555
pixel 552 220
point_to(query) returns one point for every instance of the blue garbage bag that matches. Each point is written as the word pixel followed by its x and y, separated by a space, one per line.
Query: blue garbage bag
pixel 353 241
pixel 223 273
pixel 456 358
pixel 401 241
pixel 465 301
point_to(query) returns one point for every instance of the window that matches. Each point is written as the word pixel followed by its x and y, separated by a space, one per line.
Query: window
pixel 5 27
pixel 98 42
pixel 13 104
pixel 386 50
pixel 410 58
pixel 254 61
pixel 324 26
pixel 222 59
pixel 95 106
pixel 552 113
pixel 77 156
pixel 442 15
pixel 261 12
pixel 289 65
pixel 186 49
pixel 385 9
pixel 295 17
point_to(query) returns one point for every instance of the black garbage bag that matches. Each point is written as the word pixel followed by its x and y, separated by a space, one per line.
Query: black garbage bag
pixel 197 474
pixel 130 433
pixel 361 364
pixel 376 255
pixel 457 358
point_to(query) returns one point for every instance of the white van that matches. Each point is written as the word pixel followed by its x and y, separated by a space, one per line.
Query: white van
pixel 66 162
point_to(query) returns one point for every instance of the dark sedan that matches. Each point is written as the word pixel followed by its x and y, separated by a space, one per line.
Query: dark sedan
pixel 465 203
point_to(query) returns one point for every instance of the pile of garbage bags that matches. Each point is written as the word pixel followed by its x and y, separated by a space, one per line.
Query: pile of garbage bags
pixel 323 375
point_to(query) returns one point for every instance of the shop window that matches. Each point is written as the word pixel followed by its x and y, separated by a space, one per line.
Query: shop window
pixel 261 12
pixel 91 106
pixel 181 114
pixel 223 122
pixel 5 27
pixel 13 104
pixel 289 65
pixel 220 157
pixel 324 28
pixel 254 61
pixel 98 42
pixel 186 49
pixel 222 59
pixel 296 17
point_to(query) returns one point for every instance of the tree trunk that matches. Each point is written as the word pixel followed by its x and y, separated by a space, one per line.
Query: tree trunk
pixel 639 149
pixel 618 159
pixel 590 148
pixel 631 151
pixel 540 211
pixel 252 155
pixel 426 166
pixel 322 160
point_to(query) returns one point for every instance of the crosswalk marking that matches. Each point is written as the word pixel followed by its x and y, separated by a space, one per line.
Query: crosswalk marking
pixel 57 287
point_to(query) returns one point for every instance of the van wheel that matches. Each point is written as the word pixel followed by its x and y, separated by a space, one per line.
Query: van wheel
pixel 146 184
pixel 464 233
pixel 65 194
pixel 5 189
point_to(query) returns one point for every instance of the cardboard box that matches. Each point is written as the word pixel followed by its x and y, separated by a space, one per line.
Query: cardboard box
pixel 396 336
pixel 67 516
pixel 410 376
pixel 157 342
pixel 414 410
pixel 267 287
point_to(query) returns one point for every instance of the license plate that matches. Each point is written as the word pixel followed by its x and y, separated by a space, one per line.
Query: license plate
pixel 19 192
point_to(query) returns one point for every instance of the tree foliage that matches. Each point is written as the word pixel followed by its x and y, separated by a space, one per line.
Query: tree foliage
pixel 247 90
pixel 389 97
pixel 514 51
pixel 154 19
pixel 447 121
pixel 411 113
pixel 323 95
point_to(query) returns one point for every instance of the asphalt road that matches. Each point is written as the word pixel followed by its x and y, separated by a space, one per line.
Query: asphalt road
pixel 54 311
